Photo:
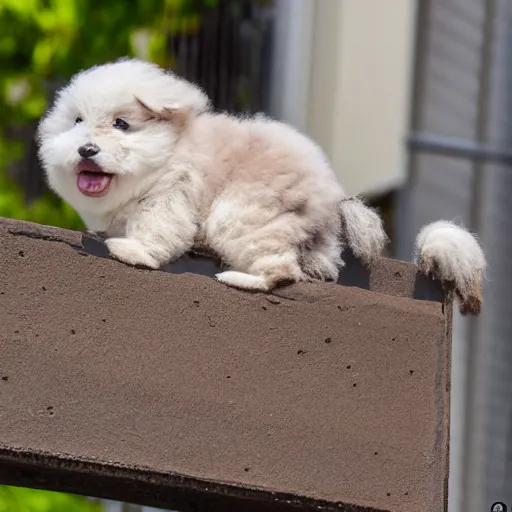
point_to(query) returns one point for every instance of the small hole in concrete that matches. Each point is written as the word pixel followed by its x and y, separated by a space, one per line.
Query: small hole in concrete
pixel 300 352
pixel 21 253
pixel 228 376
pixel 102 277
pixel 376 453
pixel 354 385
pixel 348 367
pixel 264 308
pixel 52 413
pixel 406 494
pixel 5 378
pixel 73 331
pixel 49 408
pixel 388 494
pixel 16 332
pixel 398 274
pixel 411 371
pixel 36 335
pixel 247 469
pixel 103 319
pixel 43 288
pixel 393 339
pixel 196 303
pixel 328 340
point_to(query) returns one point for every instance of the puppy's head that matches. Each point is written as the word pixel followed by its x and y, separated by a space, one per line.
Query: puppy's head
pixel 111 129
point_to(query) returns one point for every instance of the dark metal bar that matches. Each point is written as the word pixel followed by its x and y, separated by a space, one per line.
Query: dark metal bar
pixel 458 148
pixel 403 215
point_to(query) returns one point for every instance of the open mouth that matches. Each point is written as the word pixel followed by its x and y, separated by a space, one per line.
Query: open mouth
pixel 91 180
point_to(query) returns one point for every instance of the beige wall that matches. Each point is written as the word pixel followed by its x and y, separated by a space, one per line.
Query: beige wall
pixel 355 84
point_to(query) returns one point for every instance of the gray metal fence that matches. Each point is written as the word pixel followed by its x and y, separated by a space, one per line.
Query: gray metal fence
pixel 229 54
pixel 461 168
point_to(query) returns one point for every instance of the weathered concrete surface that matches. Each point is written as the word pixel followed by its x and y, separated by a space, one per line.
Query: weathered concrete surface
pixel 173 390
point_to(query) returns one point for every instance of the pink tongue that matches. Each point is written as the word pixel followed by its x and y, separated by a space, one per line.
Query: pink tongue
pixel 93 183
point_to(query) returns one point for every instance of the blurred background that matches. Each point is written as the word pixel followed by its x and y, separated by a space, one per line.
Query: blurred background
pixel 410 99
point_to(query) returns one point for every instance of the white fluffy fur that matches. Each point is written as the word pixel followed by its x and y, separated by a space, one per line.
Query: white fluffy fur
pixel 363 229
pixel 453 255
pixel 253 191
pixel 257 193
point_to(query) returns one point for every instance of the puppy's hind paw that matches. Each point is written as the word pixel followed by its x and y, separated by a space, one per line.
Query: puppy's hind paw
pixel 454 256
pixel 243 281
pixel 131 251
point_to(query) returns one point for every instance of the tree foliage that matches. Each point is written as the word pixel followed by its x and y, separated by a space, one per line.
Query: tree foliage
pixel 16 499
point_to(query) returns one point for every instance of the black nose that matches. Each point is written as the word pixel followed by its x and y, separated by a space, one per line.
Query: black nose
pixel 88 150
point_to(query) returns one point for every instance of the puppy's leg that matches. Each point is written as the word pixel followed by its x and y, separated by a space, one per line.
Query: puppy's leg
pixel 265 273
pixel 265 258
pixel 135 251
pixel 159 231
pixel 453 255
pixel 322 259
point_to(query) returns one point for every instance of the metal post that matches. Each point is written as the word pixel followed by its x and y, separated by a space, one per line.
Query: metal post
pixel 477 212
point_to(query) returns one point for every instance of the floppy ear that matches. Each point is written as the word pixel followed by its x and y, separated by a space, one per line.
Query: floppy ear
pixel 177 115
pixel 173 99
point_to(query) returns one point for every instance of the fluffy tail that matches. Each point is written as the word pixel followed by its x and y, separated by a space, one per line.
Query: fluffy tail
pixel 453 255
pixel 363 230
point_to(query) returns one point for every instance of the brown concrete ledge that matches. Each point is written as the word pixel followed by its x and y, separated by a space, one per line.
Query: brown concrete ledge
pixel 169 389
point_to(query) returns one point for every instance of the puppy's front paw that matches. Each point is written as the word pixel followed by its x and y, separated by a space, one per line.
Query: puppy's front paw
pixel 131 251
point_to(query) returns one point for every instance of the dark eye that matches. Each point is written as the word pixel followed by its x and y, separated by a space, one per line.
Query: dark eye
pixel 121 124
pixel 78 120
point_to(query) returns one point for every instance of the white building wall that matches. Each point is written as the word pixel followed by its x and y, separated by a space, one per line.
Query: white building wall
pixel 343 74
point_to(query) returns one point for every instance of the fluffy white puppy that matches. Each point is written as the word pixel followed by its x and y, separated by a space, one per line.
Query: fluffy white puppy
pixel 140 156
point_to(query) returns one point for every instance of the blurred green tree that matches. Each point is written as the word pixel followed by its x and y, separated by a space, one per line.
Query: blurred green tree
pixel 15 499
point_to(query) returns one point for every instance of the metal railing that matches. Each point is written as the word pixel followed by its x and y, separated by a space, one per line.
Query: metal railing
pixel 460 159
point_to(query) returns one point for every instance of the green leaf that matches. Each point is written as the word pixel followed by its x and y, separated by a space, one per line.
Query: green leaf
pixel 24 9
